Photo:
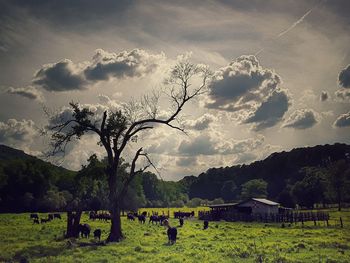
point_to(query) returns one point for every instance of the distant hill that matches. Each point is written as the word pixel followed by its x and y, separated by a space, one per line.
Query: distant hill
pixel 8 153
pixel 278 170
pixel 24 178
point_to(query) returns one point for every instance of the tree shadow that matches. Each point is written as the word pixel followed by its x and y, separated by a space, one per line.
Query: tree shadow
pixel 38 251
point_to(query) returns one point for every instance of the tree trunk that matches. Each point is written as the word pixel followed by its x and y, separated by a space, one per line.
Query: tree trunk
pixel 73 221
pixel 339 198
pixel 115 234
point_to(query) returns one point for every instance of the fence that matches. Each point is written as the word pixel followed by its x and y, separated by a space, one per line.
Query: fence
pixel 289 217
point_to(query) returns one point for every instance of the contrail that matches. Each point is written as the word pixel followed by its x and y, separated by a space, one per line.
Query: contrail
pixel 294 24
pixel 289 28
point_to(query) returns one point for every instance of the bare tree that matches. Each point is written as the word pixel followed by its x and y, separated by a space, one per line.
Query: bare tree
pixel 119 128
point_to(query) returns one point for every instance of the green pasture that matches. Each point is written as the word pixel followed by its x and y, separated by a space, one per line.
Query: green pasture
pixel 223 242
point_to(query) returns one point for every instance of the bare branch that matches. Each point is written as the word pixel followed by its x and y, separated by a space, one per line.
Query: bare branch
pixel 132 173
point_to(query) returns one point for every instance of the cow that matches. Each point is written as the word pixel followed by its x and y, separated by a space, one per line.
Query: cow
pixel 44 220
pixel 180 214
pixel 153 219
pixel 92 215
pixel 97 234
pixel 181 221
pixel 161 218
pixel 141 218
pixel 36 221
pixel 34 216
pixel 50 217
pixel 205 224
pixel 171 232
pixel 57 215
pixel 84 230
pixel 130 217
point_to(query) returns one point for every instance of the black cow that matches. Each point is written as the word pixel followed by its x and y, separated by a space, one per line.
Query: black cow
pixel 57 215
pixel 50 217
pixel 97 234
pixel 205 224
pixel 162 218
pixel 142 219
pixel 84 230
pixel 36 221
pixel 44 220
pixel 130 217
pixel 181 221
pixel 34 216
pixel 172 232
pixel 153 219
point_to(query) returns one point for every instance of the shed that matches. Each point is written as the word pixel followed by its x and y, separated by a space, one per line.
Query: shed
pixel 259 206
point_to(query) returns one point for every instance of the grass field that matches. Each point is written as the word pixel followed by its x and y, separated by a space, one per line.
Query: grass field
pixel 222 242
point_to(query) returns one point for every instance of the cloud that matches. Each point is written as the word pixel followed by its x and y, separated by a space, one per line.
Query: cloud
pixel 136 63
pixel 271 111
pixel 343 94
pixel 201 145
pixel 61 76
pixel 324 96
pixel 240 147
pixel 17 133
pixel 245 158
pixel 344 77
pixel 214 144
pixel 187 161
pixel 201 123
pixel 342 121
pixel 302 119
pixel 27 92
pixel 65 75
pixel 250 91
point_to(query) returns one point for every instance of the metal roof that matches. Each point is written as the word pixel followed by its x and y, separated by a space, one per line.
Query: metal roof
pixel 265 201
pixel 223 205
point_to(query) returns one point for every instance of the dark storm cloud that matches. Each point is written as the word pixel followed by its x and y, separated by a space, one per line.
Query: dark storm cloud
pixel 66 75
pixel 324 96
pixel 301 119
pixel 343 120
pixel 252 91
pixel 344 77
pixel 270 111
pixel 27 92
pixel 60 76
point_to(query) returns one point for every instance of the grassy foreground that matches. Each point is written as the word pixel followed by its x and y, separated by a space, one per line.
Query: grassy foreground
pixel 222 242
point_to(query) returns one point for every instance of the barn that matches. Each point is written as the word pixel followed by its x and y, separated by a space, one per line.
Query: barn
pixel 259 206
pixel 245 210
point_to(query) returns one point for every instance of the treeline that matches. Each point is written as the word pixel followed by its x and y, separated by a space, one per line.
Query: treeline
pixel 305 176
pixel 30 184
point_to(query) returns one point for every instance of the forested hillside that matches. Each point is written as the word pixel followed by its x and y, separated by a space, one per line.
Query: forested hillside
pixel 303 176
pixel 280 176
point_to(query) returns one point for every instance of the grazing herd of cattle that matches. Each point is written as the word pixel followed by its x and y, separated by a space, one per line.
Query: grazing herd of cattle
pixel 163 220
pixel 50 217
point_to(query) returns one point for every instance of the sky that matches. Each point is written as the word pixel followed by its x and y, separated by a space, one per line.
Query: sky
pixel 281 74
